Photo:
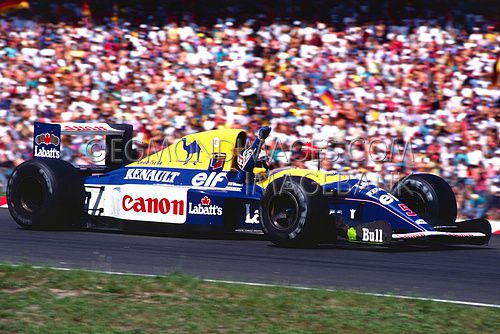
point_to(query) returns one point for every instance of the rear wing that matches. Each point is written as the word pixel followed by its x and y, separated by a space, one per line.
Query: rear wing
pixel 118 138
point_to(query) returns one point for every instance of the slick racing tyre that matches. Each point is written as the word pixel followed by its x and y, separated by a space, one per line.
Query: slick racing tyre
pixel 429 196
pixel 291 210
pixel 46 194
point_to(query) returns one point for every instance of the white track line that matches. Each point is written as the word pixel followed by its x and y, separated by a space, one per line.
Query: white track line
pixel 458 302
pixel 385 295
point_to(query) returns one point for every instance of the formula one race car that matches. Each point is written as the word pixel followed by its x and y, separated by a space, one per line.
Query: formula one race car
pixel 214 181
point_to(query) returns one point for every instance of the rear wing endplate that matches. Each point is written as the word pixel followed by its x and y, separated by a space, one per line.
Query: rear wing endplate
pixel 118 137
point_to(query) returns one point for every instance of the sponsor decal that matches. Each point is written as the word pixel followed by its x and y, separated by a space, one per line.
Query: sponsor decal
pixel 47 141
pixel 212 179
pixel 407 210
pixel 352 213
pixel 153 205
pixel 148 162
pixel 363 184
pixel 41 152
pixel 371 193
pixel 387 199
pixel 372 236
pixel 413 235
pixel 204 208
pixel 249 218
pixel 421 222
pixel 217 162
pixel 234 186
pixel 351 234
pixel 245 156
pixel 85 128
pixel 163 176
pixel 191 149
pixel 384 199
pixel 465 235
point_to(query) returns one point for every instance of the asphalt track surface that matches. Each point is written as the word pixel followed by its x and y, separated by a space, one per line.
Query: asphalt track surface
pixel 458 273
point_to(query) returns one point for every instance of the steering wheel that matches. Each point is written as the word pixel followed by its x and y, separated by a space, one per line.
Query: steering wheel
pixel 262 163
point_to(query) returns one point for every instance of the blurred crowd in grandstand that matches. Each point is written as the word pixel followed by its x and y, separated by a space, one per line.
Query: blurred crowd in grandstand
pixel 357 90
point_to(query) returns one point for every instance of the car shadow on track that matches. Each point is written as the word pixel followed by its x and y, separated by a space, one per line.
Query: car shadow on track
pixel 260 237
pixel 186 235
pixel 405 248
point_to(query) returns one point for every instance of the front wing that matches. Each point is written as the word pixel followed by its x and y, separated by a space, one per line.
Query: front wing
pixel 474 232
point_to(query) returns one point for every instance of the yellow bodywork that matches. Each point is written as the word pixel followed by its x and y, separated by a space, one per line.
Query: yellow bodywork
pixel 196 151
pixel 183 154
pixel 320 177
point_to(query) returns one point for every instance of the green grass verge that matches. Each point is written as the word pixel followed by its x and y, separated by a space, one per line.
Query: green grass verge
pixel 51 301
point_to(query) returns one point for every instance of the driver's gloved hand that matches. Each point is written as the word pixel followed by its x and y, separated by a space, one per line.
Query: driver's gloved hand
pixel 264 132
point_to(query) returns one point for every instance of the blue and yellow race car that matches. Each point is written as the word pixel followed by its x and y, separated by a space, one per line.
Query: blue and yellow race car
pixel 214 182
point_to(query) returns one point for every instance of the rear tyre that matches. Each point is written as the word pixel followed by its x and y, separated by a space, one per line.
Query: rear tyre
pixel 46 194
pixel 291 211
pixel 429 196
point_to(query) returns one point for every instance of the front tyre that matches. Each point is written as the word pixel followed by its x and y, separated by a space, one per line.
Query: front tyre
pixel 429 196
pixel 46 194
pixel 291 211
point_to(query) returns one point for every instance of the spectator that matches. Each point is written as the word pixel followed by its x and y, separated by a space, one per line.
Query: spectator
pixel 377 86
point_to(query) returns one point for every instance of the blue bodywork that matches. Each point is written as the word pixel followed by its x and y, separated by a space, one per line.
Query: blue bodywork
pixel 372 203
pixel 239 203
pixel 186 187
pixel 356 203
